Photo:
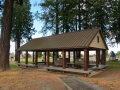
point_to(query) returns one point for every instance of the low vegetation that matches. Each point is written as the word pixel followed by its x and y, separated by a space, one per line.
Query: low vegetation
pixel 113 64
pixel 13 66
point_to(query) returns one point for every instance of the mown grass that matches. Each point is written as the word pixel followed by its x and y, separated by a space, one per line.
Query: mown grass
pixel 113 64
pixel 30 60
pixel 13 66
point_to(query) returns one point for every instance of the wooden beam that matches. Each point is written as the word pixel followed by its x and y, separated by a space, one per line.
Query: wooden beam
pixel 18 57
pixel 33 57
pixel 85 59
pixel 63 59
pixel 104 57
pixel 47 59
pixel 26 57
pixel 97 57
pixel 36 58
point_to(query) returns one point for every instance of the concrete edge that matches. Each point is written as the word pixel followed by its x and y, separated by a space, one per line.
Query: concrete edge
pixel 95 87
pixel 65 84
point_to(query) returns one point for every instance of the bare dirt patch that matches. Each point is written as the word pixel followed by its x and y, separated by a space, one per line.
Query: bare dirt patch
pixel 32 79
pixel 107 79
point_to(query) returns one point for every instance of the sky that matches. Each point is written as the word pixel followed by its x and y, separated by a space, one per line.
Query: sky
pixel 38 26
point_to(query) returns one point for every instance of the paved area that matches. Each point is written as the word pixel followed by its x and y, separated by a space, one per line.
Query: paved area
pixel 74 83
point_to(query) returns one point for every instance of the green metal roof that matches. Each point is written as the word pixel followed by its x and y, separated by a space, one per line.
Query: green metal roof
pixel 71 40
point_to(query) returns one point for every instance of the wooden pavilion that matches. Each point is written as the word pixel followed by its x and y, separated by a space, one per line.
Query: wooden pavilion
pixel 85 40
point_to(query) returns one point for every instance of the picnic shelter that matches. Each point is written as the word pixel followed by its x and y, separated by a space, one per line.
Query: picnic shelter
pixel 81 40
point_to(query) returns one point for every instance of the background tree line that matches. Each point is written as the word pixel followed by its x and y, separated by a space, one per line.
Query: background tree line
pixel 62 16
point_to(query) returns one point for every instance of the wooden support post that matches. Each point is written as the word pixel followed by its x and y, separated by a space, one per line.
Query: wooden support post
pixel 73 56
pixel 26 57
pixel 69 54
pixel 63 59
pixel 88 59
pixel 97 57
pixel 53 57
pixel 79 54
pixel 85 59
pixel 104 56
pixel 18 57
pixel 57 54
pixel 36 58
pixel 33 57
pixel 47 59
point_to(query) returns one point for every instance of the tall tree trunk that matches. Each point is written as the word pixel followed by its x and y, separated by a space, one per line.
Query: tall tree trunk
pixel 17 43
pixel 5 35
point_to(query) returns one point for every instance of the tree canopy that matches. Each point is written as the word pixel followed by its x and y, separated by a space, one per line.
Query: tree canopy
pixel 61 16
pixel 22 22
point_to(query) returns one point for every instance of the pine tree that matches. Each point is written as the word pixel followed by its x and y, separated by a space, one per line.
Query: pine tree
pixel 22 24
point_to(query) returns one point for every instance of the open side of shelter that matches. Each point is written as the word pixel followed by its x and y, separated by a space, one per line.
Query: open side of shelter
pixel 85 40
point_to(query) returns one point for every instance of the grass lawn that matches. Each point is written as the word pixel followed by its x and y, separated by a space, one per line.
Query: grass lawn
pixel 30 60
pixel 113 64
pixel 12 66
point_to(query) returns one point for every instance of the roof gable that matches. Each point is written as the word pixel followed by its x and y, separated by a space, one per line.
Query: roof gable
pixel 98 41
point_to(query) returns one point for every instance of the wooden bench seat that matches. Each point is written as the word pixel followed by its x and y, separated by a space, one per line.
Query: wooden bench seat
pixel 69 70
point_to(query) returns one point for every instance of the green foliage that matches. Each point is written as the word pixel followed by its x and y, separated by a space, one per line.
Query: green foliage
pixel 113 64
pixel 13 66
pixel 40 54
pixel 82 55
pixel 22 22
pixel 24 55
pixel 107 54
pixel 58 16
pixel 51 54
pixel 118 53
